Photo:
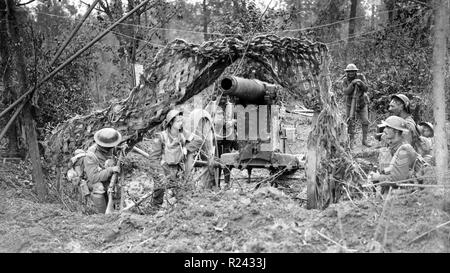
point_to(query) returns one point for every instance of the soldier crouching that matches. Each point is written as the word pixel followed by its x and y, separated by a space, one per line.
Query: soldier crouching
pixel 99 165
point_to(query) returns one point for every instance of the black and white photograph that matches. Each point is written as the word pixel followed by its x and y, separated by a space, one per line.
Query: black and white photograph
pixel 223 133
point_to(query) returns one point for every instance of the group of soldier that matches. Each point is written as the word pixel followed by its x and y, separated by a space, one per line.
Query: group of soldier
pixel 170 150
pixel 169 159
pixel 406 141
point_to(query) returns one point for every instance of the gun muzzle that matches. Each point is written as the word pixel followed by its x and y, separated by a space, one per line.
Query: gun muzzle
pixel 250 91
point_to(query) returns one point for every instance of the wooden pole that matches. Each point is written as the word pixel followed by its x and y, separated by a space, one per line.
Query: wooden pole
pixel 31 136
pixel 439 63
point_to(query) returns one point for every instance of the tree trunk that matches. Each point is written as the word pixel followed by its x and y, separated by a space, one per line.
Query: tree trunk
pixel 31 136
pixel 389 5
pixel 205 20
pixel 133 43
pixel 439 63
pixel 8 94
pixel 351 32
pixel 372 17
pixel 352 21
pixel 298 16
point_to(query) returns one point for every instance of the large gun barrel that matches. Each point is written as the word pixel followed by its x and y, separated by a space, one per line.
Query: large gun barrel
pixel 249 91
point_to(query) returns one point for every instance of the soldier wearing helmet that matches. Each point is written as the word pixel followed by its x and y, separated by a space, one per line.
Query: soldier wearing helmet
pixel 426 129
pixel 168 156
pixel 99 165
pixel 426 141
pixel 400 106
pixel 403 154
pixel 351 81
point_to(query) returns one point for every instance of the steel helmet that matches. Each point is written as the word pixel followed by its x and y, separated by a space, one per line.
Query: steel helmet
pixel 405 100
pixel 395 122
pixel 428 124
pixel 351 67
pixel 171 115
pixel 107 137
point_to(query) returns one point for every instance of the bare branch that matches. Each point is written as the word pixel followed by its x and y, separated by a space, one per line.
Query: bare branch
pixel 106 9
pixel 23 4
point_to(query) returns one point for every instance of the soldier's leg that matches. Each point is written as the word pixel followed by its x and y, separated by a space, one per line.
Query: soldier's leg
pixel 364 115
pixel 174 179
pixel 158 190
pixel 350 126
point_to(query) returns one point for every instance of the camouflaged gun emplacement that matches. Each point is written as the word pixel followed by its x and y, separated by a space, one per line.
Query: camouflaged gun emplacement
pixel 253 132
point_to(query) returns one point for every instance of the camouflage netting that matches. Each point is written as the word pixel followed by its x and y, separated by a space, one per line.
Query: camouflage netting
pixel 182 70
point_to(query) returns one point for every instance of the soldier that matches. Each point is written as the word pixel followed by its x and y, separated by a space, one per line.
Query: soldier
pixel 403 154
pixel 168 157
pixel 426 131
pixel 400 106
pixel 352 82
pixel 99 165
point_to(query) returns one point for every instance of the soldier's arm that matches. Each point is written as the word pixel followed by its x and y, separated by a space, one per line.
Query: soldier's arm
pixel 413 132
pixel 194 144
pixel 347 87
pixel 93 172
pixel 399 168
pixel 363 84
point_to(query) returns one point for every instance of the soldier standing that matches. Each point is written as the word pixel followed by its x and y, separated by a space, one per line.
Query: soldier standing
pixel 99 165
pixel 355 89
pixel 168 157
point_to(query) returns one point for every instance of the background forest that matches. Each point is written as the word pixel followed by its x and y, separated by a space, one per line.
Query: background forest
pixel 390 42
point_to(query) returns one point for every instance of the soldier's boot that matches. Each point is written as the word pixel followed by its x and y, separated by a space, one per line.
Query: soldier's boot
pixel 157 199
pixel 365 130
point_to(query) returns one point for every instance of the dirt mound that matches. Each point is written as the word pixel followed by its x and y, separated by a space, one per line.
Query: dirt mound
pixel 241 219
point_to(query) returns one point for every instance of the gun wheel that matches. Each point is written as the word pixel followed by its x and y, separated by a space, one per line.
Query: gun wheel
pixel 206 176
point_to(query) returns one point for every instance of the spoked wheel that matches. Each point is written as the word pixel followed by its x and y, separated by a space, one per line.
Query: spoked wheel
pixel 201 163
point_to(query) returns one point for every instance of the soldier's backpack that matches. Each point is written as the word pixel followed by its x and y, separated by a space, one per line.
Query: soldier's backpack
pixel 76 174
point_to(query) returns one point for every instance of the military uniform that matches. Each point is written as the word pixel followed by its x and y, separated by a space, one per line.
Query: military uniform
pixel 403 157
pixel 412 136
pixel 167 158
pixel 362 102
pixel 97 173
pixel 100 164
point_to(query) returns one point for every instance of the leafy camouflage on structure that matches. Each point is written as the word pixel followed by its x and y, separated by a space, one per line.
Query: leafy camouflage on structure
pixel 182 70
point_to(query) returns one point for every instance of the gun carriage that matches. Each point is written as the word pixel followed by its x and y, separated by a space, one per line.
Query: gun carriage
pixel 249 128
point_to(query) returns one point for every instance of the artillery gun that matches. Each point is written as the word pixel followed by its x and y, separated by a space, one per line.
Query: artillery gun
pixel 250 132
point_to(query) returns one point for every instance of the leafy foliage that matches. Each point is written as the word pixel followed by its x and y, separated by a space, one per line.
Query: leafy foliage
pixel 392 64
pixel 67 93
